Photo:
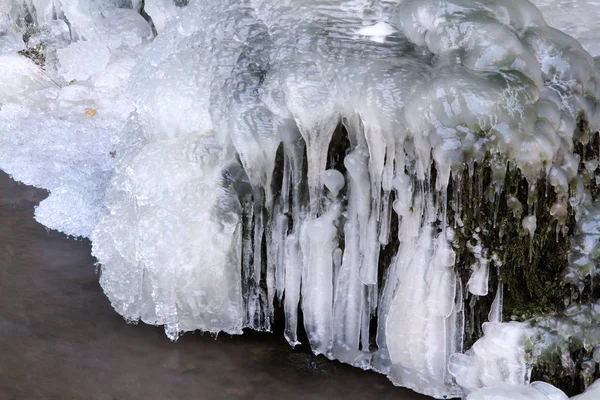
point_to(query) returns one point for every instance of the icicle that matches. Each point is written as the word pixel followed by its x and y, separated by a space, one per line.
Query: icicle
pixel 279 221
pixel 365 323
pixel 416 307
pixel 529 224
pixel 258 234
pixel 499 170
pixel 387 186
pixel 271 269
pixel 386 216
pixel 293 278
pixel 294 152
pixel 349 306
pixel 251 297
pixel 285 182
pixel 278 242
pixel 478 282
pixel 376 144
pixel 317 140
pixel 459 309
pixel 381 359
pixel 471 166
pixel 559 212
pixel 359 207
pixel 371 245
pixel 495 314
pixel 317 288
pixel 444 213
pixel 337 266
pixel 496 206
pixel 458 198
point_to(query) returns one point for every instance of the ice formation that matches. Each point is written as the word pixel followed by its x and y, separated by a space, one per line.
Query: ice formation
pixel 325 160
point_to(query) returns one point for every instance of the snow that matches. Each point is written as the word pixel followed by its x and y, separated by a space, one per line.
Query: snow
pixel 198 163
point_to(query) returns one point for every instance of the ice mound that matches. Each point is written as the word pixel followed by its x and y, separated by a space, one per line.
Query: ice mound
pixel 392 173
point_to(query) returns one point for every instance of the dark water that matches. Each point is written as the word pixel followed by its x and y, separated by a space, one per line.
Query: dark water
pixel 60 338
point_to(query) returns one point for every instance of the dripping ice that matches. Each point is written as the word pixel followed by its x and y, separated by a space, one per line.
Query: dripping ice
pixel 306 155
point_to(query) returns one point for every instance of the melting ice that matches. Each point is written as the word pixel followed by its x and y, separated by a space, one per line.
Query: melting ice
pixel 235 159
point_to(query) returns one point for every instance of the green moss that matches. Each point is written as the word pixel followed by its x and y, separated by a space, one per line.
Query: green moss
pixel 35 48
pixel 529 268
pixel 36 54
pixel 532 267
pixel 564 370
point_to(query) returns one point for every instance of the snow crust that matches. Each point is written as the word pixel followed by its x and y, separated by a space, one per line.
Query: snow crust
pixel 190 143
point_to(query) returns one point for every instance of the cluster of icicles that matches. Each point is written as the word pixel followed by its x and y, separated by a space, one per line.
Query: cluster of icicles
pixel 280 153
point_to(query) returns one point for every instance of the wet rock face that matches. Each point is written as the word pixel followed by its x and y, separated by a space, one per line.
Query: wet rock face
pixel 397 179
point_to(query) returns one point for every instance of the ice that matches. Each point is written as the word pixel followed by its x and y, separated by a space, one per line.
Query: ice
pixel 578 18
pixel 506 343
pixel 333 180
pixel 535 391
pixel 377 32
pixel 478 283
pixel 80 60
pixel 27 83
pixel 318 279
pixel 233 160
pixel 142 275
pixel 497 358
pixel 495 314
pixel 79 170
pixel 591 393
pixel 159 11
pixel 11 39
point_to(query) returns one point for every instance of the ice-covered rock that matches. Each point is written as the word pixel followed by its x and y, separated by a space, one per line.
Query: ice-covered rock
pixel 399 171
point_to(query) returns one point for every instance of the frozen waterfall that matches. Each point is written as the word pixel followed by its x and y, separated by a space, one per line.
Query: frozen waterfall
pixel 411 184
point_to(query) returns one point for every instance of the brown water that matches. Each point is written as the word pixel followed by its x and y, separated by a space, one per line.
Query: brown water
pixel 60 338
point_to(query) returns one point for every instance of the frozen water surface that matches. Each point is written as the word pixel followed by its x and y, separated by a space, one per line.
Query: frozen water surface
pixel 197 144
